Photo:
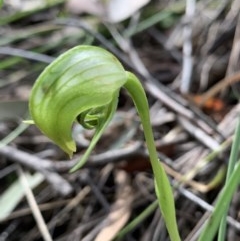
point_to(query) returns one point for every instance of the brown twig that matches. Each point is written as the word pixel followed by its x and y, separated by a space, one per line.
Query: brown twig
pixel 61 185
pixel 221 85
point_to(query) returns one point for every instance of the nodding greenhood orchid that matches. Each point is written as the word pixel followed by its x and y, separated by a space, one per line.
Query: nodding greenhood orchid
pixel 83 85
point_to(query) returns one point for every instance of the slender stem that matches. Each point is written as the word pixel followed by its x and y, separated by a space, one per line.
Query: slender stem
pixel 162 184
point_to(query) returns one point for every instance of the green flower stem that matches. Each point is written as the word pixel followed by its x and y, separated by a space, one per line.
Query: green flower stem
pixel 162 184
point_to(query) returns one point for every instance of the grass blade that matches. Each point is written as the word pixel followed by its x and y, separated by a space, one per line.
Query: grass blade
pixel 225 196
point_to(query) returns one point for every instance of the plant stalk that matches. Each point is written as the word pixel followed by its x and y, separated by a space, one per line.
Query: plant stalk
pixel 162 185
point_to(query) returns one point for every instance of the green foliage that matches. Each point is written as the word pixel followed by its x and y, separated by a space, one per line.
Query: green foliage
pixel 83 85
pixel 217 219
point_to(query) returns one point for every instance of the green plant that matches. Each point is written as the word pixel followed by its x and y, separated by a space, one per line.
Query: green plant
pixel 217 220
pixel 83 85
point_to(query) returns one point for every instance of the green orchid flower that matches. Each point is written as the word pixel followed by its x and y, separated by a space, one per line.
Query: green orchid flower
pixel 82 85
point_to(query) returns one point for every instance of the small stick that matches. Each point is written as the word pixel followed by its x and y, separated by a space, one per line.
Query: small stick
pixel 44 166
pixel 221 85
pixel 34 207
pixel 187 47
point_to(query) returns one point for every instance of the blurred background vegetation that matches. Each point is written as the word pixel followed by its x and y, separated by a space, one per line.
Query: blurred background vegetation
pixel 187 55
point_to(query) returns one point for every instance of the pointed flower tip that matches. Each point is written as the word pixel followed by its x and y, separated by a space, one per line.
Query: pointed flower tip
pixel 70 148
pixel 70 154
